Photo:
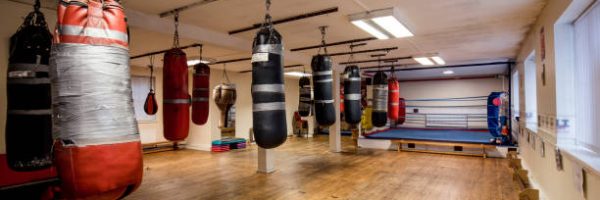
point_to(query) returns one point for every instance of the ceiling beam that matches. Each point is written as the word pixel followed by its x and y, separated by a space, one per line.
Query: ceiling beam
pixel 287 19
pixel 163 51
pixel 333 44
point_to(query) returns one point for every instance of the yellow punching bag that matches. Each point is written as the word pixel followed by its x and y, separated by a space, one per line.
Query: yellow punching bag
pixel 366 118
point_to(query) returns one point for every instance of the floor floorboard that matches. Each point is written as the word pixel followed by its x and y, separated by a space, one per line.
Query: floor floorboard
pixel 307 170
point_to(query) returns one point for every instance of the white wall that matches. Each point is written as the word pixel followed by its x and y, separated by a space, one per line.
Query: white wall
pixel 201 136
pixel 552 182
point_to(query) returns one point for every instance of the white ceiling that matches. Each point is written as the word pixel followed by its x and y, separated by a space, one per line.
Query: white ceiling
pixel 460 30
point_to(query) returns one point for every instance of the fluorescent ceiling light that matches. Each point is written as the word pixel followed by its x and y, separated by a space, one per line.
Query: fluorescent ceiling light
pixel 196 61
pixel 448 72
pixel 424 61
pixel 370 29
pixel 297 74
pixel 438 60
pixel 393 26
pixel 383 23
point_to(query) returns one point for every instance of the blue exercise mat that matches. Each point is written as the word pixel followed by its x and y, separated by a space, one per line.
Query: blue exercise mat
pixel 462 136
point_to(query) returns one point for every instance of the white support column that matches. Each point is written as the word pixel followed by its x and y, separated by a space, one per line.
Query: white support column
pixel 266 161
pixel 335 134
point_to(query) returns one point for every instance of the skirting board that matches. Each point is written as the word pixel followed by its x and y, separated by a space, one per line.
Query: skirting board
pixel 199 147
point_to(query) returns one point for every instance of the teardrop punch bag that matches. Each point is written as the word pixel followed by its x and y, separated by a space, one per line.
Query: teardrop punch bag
pixel 29 122
pixel 200 93
pixel 268 97
pixel 97 149
pixel 150 105
pixel 305 104
pixel 323 88
pixel 224 95
pixel 380 97
pixel 176 99
pixel 352 104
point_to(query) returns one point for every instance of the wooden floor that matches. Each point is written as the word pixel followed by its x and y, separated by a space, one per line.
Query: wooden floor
pixel 307 170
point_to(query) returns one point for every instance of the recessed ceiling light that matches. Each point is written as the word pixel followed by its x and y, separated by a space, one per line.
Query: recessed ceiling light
pixel 448 72
pixel 297 74
pixel 370 29
pixel 196 61
pixel 382 23
pixel 438 60
pixel 424 61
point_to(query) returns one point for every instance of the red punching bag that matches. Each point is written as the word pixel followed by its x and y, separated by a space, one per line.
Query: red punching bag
pixel 393 99
pixel 200 94
pixel 176 99
pixel 97 150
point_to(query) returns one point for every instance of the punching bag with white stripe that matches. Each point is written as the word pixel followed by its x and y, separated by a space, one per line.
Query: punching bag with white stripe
pixel 380 97
pixel 200 94
pixel 323 90
pixel 393 99
pixel 352 101
pixel 305 104
pixel 268 97
pixel 29 117
pixel 176 99
pixel 97 150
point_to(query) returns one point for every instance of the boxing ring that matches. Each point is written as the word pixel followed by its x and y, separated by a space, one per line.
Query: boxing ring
pixel 463 125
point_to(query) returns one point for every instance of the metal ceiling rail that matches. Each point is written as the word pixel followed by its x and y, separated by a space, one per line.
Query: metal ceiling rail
pixel 163 51
pixel 231 61
pixel 286 67
pixel 376 60
pixel 363 51
pixel 435 67
pixel 182 8
pixel 287 19
pixel 336 43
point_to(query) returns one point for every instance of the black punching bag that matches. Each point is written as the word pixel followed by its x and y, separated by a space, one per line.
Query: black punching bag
pixel 268 97
pixel 380 97
pixel 305 104
pixel 29 114
pixel 352 95
pixel 322 82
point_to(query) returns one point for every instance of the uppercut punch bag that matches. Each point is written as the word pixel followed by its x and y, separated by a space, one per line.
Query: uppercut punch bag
pixel 200 94
pixel 352 103
pixel 305 104
pixel 97 149
pixel 224 95
pixel 29 117
pixel 380 97
pixel 176 99
pixel 393 99
pixel 268 97
pixel 401 112
pixel 322 82
pixel 150 105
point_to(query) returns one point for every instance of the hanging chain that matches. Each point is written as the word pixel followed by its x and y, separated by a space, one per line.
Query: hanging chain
pixel 225 73
pixel 36 6
pixel 323 44
pixel 151 73
pixel 351 58
pixel 200 53
pixel 176 36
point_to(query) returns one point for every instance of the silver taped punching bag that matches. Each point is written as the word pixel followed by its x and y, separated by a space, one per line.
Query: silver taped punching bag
pixel 380 97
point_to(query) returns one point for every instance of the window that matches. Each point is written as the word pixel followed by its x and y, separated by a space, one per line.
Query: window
pixel 530 92
pixel 586 82
pixel 140 87
pixel 514 95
